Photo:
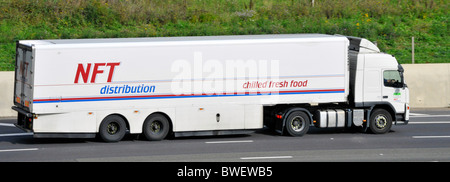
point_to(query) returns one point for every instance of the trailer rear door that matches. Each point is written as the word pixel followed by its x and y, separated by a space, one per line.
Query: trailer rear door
pixel 24 78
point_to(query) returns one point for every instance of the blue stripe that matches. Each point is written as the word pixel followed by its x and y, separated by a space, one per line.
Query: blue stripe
pixel 185 96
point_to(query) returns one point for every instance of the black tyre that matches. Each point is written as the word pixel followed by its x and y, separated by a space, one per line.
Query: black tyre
pixel 112 128
pixel 156 127
pixel 380 121
pixel 297 123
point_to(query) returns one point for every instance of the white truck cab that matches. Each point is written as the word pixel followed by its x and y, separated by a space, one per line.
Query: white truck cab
pixel 377 81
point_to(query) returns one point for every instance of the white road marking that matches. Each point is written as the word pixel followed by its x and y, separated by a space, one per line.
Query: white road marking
pixel 15 134
pixel 18 150
pixel 427 116
pixel 7 124
pixel 429 122
pixel 417 114
pixel 237 141
pixel 270 157
pixel 428 137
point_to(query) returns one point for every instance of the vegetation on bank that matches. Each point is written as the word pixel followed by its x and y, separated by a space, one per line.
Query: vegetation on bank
pixel 391 23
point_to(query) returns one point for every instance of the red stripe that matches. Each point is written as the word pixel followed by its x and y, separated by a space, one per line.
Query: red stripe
pixel 173 95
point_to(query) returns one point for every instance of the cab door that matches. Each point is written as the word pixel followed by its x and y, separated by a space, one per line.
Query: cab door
pixel 393 90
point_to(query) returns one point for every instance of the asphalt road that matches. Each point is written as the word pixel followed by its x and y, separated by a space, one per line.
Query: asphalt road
pixel 426 138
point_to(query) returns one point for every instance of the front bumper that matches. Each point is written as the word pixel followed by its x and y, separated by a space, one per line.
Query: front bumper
pixel 403 119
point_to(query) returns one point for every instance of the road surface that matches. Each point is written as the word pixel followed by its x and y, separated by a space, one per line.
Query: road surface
pixel 426 138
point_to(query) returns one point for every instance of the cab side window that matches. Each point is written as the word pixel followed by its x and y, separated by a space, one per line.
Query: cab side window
pixel 392 78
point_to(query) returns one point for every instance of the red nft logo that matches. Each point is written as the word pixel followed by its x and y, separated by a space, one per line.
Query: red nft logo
pixel 85 71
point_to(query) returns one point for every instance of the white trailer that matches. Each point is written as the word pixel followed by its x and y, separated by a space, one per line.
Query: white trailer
pixel 205 85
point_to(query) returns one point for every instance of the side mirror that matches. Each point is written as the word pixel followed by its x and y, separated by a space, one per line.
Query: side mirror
pixel 401 70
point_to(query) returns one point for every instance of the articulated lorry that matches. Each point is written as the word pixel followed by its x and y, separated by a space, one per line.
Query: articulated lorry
pixel 210 85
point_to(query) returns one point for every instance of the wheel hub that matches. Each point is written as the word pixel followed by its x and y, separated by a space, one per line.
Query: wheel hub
pixel 155 127
pixel 380 121
pixel 112 128
pixel 297 124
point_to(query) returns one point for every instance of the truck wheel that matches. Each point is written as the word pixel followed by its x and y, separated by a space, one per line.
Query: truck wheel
pixel 156 127
pixel 112 128
pixel 380 121
pixel 297 123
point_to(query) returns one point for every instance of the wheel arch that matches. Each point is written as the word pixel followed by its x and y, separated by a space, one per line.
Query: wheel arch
pixel 383 105
pixel 127 123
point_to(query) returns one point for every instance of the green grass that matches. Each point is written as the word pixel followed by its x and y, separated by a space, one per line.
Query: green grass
pixel 391 23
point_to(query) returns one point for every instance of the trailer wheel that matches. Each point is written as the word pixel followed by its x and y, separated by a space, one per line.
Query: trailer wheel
pixel 297 123
pixel 156 127
pixel 380 121
pixel 112 128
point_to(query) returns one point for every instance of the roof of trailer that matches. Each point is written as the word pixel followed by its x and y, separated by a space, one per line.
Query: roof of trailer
pixel 168 39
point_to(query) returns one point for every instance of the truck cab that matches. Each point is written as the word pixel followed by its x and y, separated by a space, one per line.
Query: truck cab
pixel 377 82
